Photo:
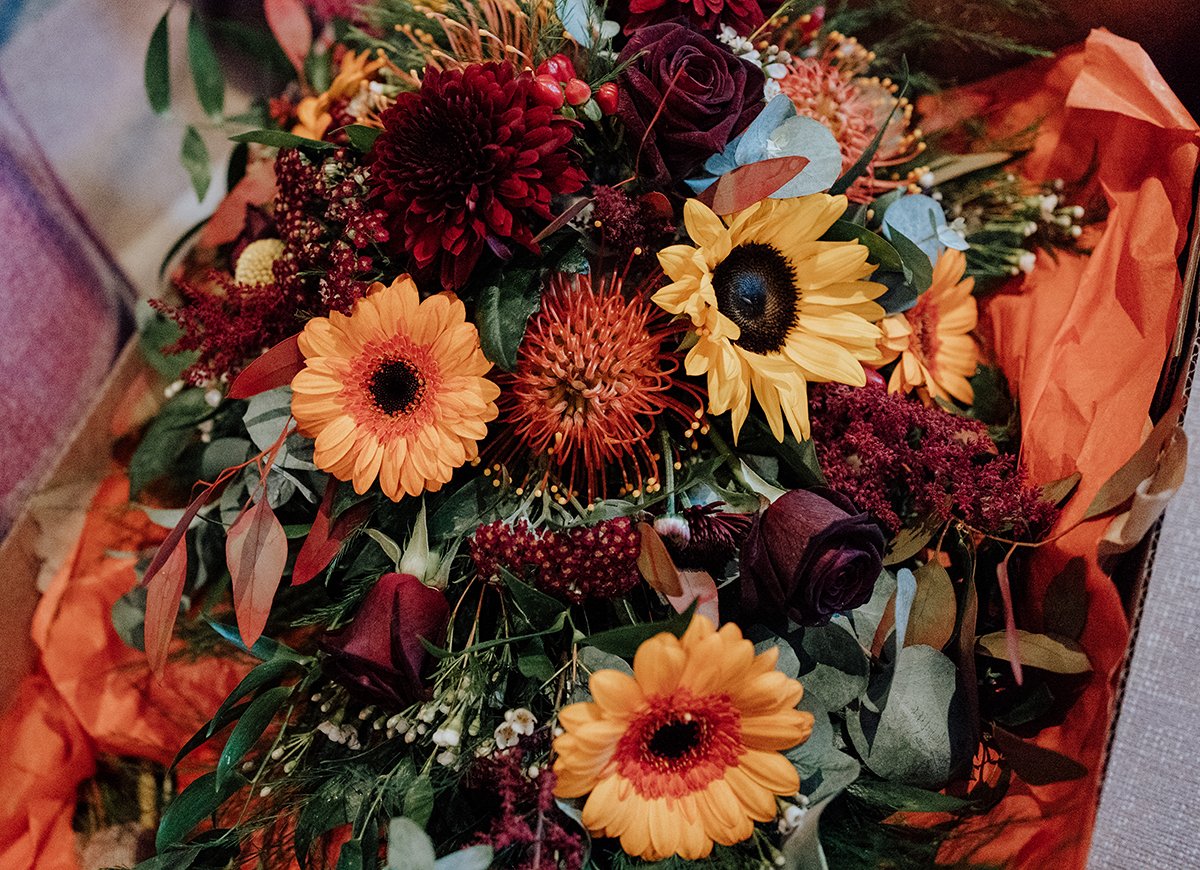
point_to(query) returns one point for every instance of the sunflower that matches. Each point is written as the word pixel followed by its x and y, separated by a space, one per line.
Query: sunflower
pixel 933 338
pixel 395 390
pixel 773 308
pixel 686 752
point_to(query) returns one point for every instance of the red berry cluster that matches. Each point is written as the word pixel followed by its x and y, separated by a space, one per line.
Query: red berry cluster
pixel 587 562
pixel 557 84
pixel 326 228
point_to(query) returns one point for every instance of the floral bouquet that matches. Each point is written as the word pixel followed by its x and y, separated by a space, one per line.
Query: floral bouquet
pixel 623 437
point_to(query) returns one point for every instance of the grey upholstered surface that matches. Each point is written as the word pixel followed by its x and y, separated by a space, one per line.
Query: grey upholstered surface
pixel 1151 799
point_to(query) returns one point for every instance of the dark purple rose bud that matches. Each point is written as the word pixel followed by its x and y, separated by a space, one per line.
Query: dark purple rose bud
pixel 809 555
pixel 379 654
pixel 697 93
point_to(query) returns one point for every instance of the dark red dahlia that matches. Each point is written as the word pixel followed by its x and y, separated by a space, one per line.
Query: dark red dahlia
pixel 467 162
pixel 742 15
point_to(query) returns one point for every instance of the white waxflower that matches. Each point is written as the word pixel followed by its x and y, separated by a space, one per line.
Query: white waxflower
pixel 506 735
pixel 522 721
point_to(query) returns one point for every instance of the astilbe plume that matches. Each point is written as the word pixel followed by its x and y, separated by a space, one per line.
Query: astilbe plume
pixel 900 460
pixel 586 562
pixel 525 819
pixel 326 231
pixel 466 163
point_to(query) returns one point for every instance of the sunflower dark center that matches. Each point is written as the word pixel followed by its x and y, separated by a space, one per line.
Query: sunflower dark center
pixel 396 387
pixel 756 289
pixel 675 739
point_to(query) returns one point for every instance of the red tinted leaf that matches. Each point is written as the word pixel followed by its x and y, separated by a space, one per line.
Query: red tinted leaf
pixel 657 204
pixel 325 539
pixel 255 551
pixel 162 603
pixel 655 564
pixel 257 187
pixel 289 22
pixel 746 185
pixel 168 546
pixel 275 368
pixel 700 588
pixel 1013 641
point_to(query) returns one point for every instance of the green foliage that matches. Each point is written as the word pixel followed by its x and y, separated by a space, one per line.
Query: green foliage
pixel 282 139
pixel 194 157
pixel 206 68
pixel 157 73
pixel 167 437
pixel 502 312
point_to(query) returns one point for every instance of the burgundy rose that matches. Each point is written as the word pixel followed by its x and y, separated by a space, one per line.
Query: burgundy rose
pixel 809 555
pixel 380 653
pixel 700 92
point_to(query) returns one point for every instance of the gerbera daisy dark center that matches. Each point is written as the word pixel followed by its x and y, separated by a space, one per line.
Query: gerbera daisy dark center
pixel 756 289
pixel 396 387
pixel 674 739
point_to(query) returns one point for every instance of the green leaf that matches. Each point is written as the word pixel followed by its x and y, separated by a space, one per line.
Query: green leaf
pixel 833 666
pixel 282 139
pixel 157 73
pixel 907 798
pixel 160 332
pixel 269 673
pixel 409 847
pixel 1058 491
pixel 203 735
pixel 194 157
pixel 361 136
pixel 536 609
pixel 206 68
pixel 462 511
pixel 624 641
pixel 418 800
pixel 390 548
pixel 1038 651
pixel 166 438
pixel 248 731
pixel 266 415
pixel 882 253
pixel 917 265
pixel 910 540
pixel 470 858
pixel 1065 605
pixel 501 314
pixel 264 648
pixel 913 740
pixel 193 805
pixel 1035 764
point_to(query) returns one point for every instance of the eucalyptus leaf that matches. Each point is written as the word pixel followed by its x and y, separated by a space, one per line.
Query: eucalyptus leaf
pixel 916 263
pixel 166 438
pixel 129 618
pixel 592 660
pixel 1059 656
pixel 470 858
pixel 409 847
pixel 913 740
pixel 834 667
pixel 266 415
pixel 418 800
pixel 581 19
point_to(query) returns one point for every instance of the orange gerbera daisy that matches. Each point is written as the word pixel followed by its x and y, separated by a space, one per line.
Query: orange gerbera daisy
pixel 394 391
pixel 686 752
pixel 933 338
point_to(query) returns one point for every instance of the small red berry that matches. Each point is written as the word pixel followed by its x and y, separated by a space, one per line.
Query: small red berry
pixel 606 97
pixel 874 378
pixel 578 92
pixel 548 91
pixel 559 67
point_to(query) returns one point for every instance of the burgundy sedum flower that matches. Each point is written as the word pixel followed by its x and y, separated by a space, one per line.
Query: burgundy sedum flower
pixel 809 555
pixel 466 163
pixel 379 654
pixel 691 94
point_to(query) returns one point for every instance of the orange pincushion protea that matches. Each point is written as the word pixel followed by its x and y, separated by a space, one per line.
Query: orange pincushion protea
pixel 686 752
pixel 394 391
pixel 933 338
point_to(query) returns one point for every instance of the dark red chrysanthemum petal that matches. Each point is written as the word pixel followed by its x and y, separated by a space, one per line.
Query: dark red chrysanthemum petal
pixel 466 163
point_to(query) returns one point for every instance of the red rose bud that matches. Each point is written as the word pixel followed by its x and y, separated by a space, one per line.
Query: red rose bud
pixel 809 555
pixel 578 92
pixel 606 97
pixel 558 67
pixel 379 654
pixel 548 91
